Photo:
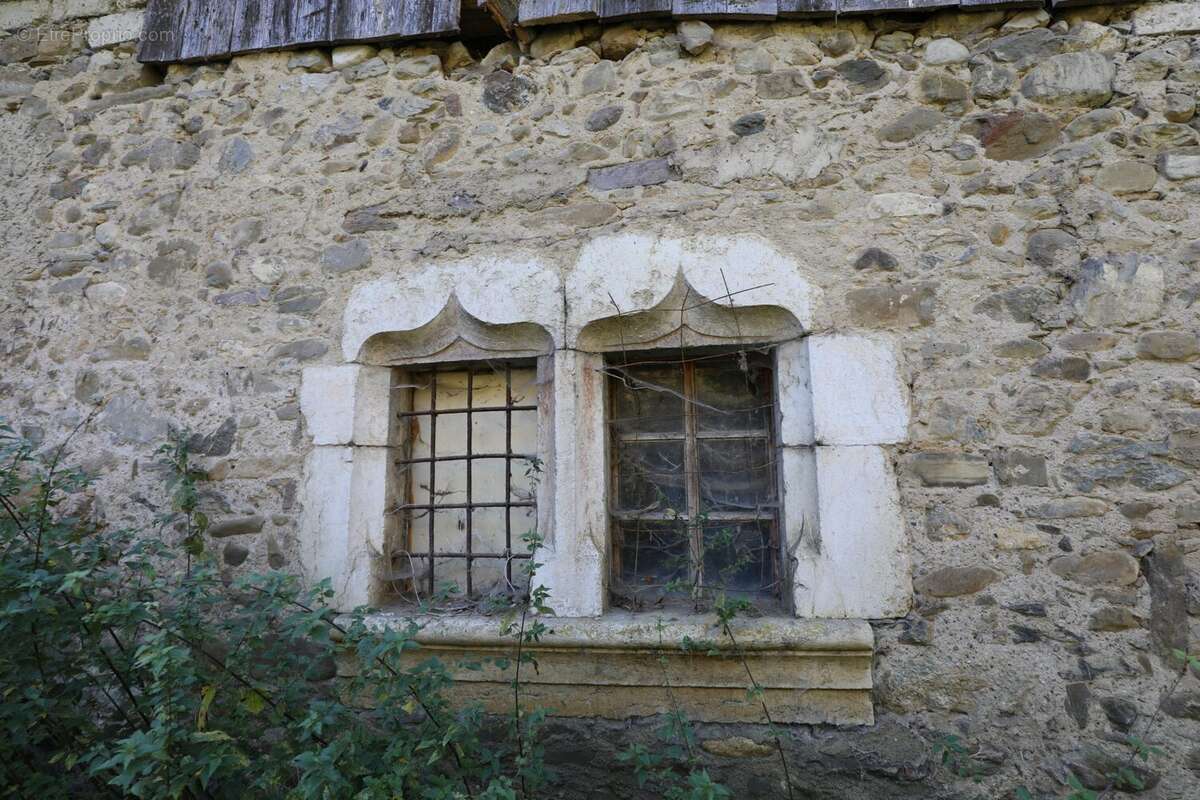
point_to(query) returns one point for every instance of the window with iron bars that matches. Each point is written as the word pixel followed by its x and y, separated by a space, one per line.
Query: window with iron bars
pixel 468 476
pixel 695 509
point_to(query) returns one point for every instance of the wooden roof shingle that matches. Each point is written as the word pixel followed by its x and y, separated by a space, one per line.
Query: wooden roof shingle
pixel 196 30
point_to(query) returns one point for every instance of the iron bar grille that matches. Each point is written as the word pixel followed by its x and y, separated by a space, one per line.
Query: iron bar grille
pixel 695 510
pixel 468 478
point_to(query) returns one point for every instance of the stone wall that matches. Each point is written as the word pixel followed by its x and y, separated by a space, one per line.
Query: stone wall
pixel 1015 197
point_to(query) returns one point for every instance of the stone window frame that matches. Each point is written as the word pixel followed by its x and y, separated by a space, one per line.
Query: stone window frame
pixel 350 409
pixel 842 401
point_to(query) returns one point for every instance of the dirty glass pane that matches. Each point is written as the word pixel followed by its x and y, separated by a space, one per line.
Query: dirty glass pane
pixel 450 578
pixel 489 578
pixel 408 567
pixel 492 577
pixel 735 475
pixel 449 531
pixel 451 433
pixel 527 476
pixel 733 394
pixel 524 433
pixel 648 399
pixel 739 557
pixel 650 477
pixel 487 388
pixel 654 557
pixel 488 432
pixel 699 445
pixel 487 480
pixel 487 530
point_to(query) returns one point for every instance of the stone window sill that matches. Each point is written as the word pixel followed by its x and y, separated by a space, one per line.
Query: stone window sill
pixel 621 665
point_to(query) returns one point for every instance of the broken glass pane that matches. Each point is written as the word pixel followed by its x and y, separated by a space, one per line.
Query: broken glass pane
pixel 695 496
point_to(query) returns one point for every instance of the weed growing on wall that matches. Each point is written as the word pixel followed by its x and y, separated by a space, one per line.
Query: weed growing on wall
pixel 660 768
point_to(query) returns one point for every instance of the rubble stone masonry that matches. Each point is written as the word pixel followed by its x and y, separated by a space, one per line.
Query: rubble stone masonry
pixel 1013 197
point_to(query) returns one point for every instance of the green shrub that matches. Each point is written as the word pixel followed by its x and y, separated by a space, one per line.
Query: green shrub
pixel 130 668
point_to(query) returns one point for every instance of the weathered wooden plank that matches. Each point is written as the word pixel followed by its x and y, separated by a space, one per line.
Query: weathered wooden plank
pixel 874 6
pixel 373 20
pixel 808 8
pixel 352 20
pixel 733 9
pixel 544 12
pixel 207 29
pixel 975 5
pixel 257 25
pixel 627 9
pixel 698 8
pixel 752 9
pixel 160 31
pixel 445 15
pixel 271 24
pixel 827 8
pixel 306 21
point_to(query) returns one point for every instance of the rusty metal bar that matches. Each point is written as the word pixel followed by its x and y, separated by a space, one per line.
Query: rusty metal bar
pixel 508 402
pixel 437 413
pixel 474 457
pixel 470 464
pixel 432 470
pixel 474 556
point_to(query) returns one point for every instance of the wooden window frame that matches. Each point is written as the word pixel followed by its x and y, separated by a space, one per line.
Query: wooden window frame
pixel 691 436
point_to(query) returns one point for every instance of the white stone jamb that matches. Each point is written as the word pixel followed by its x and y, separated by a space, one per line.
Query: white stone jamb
pixel 841 399
pixel 347 479
pixel 858 568
pixel 841 390
pixel 348 404
pixel 574 562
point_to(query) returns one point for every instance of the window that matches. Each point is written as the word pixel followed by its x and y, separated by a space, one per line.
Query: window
pixel 695 507
pixel 730 446
pixel 468 475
